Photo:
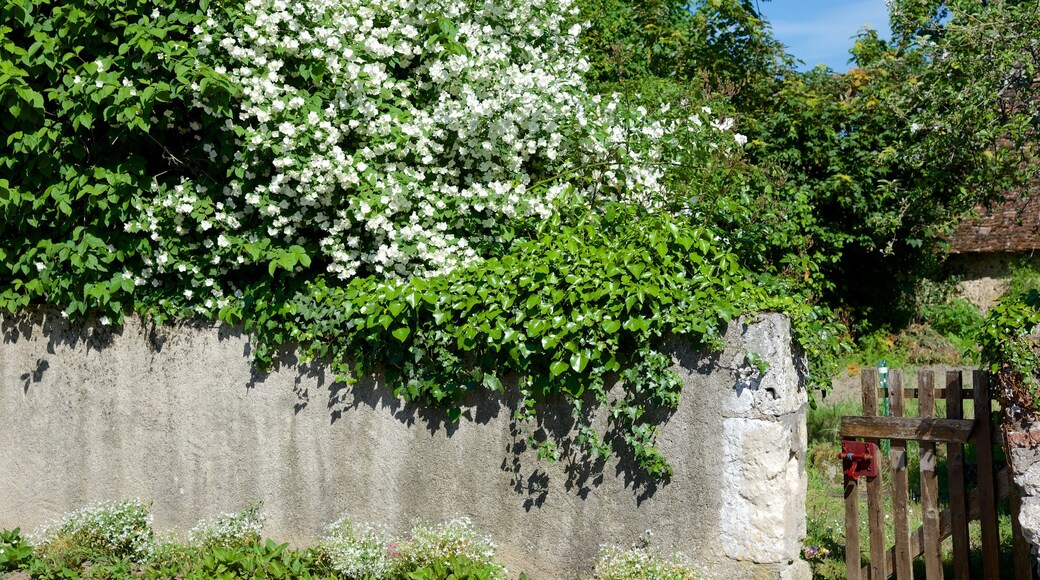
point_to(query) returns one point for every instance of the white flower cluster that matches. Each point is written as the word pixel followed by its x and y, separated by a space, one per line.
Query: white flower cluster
pixel 643 562
pixel 452 539
pixel 398 137
pixel 121 529
pixel 230 530
pixel 438 118
pixel 358 550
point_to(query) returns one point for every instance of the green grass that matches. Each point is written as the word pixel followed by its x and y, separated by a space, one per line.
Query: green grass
pixel 825 507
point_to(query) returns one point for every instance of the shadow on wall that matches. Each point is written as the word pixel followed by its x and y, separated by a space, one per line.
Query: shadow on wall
pixel 556 421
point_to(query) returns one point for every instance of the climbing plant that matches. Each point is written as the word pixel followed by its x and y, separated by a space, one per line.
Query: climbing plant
pixel 1011 350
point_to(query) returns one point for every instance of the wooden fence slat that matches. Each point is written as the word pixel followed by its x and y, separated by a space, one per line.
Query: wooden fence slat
pixel 916 428
pixel 900 488
pixel 875 508
pixel 913 393
pixel 932 540
pixel 987 494
pixel 958 497
pixel 946 522
pixel 1022 558
pixel 852 546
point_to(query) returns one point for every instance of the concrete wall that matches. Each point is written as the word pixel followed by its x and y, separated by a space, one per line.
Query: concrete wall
pixel 175 415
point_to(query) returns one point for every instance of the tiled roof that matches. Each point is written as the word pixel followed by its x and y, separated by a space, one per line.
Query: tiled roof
pixel 1012 226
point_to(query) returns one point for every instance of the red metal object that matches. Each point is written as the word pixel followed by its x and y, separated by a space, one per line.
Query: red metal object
pixel 859 459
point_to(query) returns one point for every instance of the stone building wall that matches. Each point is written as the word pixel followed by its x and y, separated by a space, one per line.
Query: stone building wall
pixel 983 278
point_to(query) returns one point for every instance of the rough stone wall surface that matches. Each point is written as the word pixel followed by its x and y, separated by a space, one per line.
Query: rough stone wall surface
pixel 986 277
pixel 175 415
pixel 1024 446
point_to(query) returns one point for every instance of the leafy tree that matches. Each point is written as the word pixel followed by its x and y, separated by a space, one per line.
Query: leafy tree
pixel 720 46
pixel 956 91
pixel 850 180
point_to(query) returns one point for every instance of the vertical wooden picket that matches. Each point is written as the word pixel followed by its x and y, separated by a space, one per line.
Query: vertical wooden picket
pixel 875 508
pixel 929 483
pixel 900 488
pixel 986 473
pixel 852 545
pixel 958 495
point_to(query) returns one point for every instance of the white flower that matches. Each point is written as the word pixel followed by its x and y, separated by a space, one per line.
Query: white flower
pixel 740 139
pixel 405 174
pixel 723 124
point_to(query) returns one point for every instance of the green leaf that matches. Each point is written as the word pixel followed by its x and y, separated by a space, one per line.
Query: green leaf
pixel 402 333
pixel 579 361
pixel 611 326
pixel 493 383
pixel 557 368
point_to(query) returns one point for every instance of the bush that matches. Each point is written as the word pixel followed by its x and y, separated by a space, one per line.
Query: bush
pixel 641 563
pixel 115 540
pixel 15 552
pixel 1011 351
pixel 229 531
pixel 956 318
pixel 100 532
pixel 357 551
pixel 1024 279
pixel 268 560
pixel 451 544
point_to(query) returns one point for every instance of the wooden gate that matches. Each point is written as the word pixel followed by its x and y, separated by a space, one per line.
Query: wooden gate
pixel 955 431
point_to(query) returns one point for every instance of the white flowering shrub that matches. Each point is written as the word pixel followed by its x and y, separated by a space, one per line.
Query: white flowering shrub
pixel 230 530
pixel 357 550
pixel 642 563
pixel 398 138
pixel 103 530
pixel 452 541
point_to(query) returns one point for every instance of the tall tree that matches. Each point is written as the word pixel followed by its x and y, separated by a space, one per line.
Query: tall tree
pixel 849 180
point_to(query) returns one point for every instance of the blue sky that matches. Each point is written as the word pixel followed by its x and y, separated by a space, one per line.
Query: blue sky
pixel 821 31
